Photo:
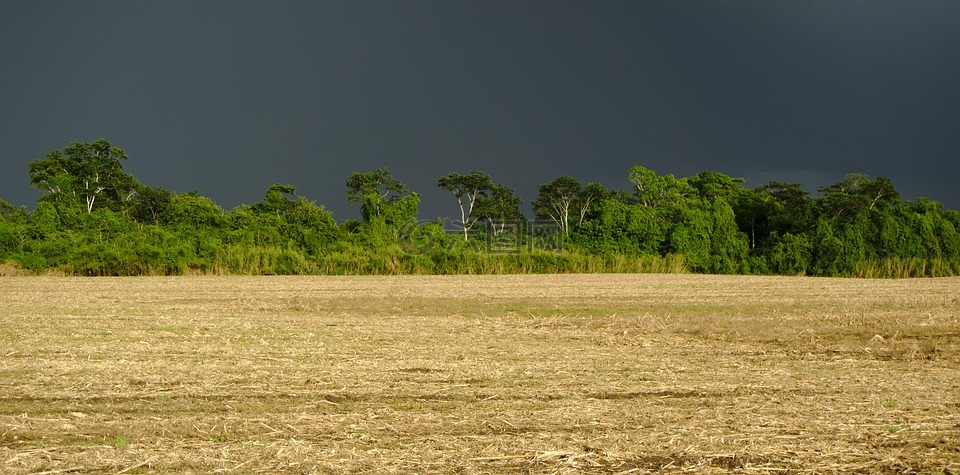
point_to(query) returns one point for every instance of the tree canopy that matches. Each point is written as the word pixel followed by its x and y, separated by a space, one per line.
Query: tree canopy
pixel 467 188
pixel 94 218
pixel 374 191
pixel 85 172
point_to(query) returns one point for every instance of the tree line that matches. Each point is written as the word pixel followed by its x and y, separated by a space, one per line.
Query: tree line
pixel 94 218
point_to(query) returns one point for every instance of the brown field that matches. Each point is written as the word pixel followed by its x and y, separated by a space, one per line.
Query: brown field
pixel 479 374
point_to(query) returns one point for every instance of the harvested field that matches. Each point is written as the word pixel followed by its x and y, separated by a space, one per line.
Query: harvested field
pixel 479 374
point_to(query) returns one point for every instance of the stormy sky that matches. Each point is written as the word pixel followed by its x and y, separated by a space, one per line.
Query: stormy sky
pixel 229 97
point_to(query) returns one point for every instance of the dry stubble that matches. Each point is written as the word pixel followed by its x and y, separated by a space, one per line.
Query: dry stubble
pixel 479 374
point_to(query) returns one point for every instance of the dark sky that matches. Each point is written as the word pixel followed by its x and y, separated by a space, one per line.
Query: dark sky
pixel 229 97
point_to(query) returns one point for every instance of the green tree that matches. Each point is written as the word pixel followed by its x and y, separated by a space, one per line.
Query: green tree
pixel 502 205
pixel 622 228
pixel 278 200
pixel 6 209
pixel 265 223
pixel 655 190
pixel 712 185
pixel 857 194
pixel 565 197
pixel 828 249
pixel 250 229
pixel 753 216
pixel 152 205
pixel 839 247
pixel 374 191
pixel 790 209
pixel 87 172
pixel 193 212
pixel 588 200
pixel 309 226
pixel 935 235
pixel 468 189
pixel 13 229
pixel 856 236
pixel 790 254
pixel 728 245
pixel 291 220
pixel 690 237
pixel 402 211
pixel 555 199
pixel 771 211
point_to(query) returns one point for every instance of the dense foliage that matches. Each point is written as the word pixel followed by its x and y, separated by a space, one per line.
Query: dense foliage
pixel 96 219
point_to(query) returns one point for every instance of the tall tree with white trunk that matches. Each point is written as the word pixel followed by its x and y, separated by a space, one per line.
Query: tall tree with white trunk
pixel 87 172
pixel 467 188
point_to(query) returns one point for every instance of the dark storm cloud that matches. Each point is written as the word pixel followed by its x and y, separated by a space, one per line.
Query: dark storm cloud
pixel 230 97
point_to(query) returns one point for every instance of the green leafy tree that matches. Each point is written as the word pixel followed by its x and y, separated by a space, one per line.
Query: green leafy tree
pixel 250 229
pixel 828 249
pixel 891 240
pixel 402 212
pixel 857 194
pixel 712 185
pixel 566 197
pixel 690 237
pixel 655 190
pixel 933 235
pixel 468 189
pixel 263 224
pixel 310 226
pixel 13 229
pixel 200 226
pixel 588 200
pixel 152 205
pixel 45 222
pixel 839 247
pixel 856 236
pixel 790 254
pixel 753 216
pixel 278 200
pixel 7 210
pixel 728 245
pixel 388 212
pixel 192 211
pixel 881 193
pixel 502 205
pixel 555 200
pixel 946 225
pixel 288 219
pixel 86 172
pixel 622 228
pixel 790 209
pixel 374 191
pixel 774 209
